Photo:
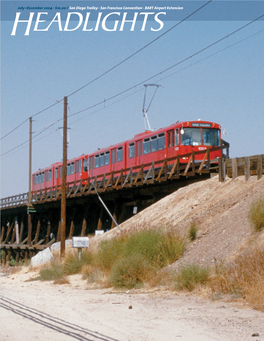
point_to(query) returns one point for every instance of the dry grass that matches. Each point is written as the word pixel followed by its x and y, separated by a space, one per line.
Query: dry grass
pixel 163 278
pixel 243 278
pixel 96 277
pixel 62 280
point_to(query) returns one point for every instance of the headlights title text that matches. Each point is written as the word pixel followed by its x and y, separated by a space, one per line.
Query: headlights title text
pixel 113 21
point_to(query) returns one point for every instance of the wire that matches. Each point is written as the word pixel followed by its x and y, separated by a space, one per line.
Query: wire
pixel 39 112
pixel 48 126
pixel 141 49
pixel 43 129
pixel 174 65
pixel 109 70
pixel 211 55
pixel 167 69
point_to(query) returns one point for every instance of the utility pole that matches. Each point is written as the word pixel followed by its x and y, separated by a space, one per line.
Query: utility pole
pixel 63 187
pixel 29 185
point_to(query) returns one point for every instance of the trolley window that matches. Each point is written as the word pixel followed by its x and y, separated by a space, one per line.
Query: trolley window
pixel 176 137
pixel 68 169
pixel 42 177
pixel 72 168
pixel 211 137
pixel 50 174
pixel 60 171
pixel 85 165
pixel 191 137
pixel 77 166
pixel 97 161
pixel 119 154
pixel 80 166
pixel 107 158
pixel 101 160
pixel 36 179
pixel 146 146
pixel 47 176
pixel 154 143
pixel 56 173
pixel 161 141
pixel 131 150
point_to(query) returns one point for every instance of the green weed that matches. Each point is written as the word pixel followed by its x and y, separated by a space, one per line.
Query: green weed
pixel 158 247
pixel 54 272
pixel 191 275
pixel 109 252
pixel 72 264
pixel 130 272
pixel 193 231
pixel 256 214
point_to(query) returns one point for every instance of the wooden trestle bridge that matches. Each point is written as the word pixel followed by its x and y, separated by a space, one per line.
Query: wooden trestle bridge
pixel 124 192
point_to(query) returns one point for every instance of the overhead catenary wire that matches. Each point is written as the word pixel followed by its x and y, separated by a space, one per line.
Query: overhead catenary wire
pixel 43 129
pixel 159 73
pixel 109 70
pixel 141 49
pixel 39 112
pixel 168 68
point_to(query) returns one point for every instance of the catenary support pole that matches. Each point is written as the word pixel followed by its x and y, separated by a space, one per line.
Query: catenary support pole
pixel 63 187
pixel 29 186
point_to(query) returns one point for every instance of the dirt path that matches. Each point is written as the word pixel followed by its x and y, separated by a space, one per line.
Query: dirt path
pixel 43 311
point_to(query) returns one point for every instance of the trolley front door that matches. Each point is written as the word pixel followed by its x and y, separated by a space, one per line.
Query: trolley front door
pixel 171 143
pixel 113 159
pixel 138 152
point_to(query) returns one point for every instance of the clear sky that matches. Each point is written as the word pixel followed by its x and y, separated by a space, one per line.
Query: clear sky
pixel 224 83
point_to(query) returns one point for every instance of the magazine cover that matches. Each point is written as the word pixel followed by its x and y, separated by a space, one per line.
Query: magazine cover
pixel 201 60
pixel 132 167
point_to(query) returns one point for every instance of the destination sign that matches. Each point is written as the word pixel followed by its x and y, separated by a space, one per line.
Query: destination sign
pixel 201 124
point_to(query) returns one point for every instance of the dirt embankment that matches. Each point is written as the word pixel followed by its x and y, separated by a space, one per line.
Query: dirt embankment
pixel 40 310
pixel 220 211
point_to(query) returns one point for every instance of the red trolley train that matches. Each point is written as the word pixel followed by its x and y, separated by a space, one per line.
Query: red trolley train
pixel 177 139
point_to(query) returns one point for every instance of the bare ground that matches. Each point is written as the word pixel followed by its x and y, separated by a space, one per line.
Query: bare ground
pixel 41 310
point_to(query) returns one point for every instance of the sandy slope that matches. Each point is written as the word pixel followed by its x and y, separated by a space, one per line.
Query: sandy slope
pixel 220 211
pixel 39 310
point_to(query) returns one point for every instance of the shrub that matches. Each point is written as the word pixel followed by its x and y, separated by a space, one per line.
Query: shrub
pixel 256 214
pixel 54 272
pixel 193 231
pixel 172 247
pixel 158 247
pixel 147 244
pixel 109 252
pixel 130 272
pixel 72 264
pixel 191 275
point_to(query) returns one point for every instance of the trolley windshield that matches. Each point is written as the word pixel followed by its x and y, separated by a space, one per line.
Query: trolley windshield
pixel 200 136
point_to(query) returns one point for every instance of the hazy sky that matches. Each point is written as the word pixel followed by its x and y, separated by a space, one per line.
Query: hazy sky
pixel 224 83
